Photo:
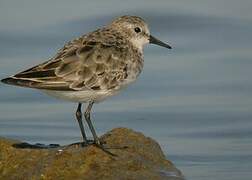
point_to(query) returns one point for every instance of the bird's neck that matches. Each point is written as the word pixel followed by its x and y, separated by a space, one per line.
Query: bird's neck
pixel 136 45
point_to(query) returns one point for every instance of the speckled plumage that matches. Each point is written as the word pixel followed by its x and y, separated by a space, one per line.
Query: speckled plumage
pixel 92 67
pixel 103 60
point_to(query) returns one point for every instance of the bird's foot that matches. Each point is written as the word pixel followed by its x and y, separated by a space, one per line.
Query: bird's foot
pixel 100 144
pixel 83 143
pixel 103 146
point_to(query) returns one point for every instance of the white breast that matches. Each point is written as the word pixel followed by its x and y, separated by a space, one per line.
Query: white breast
pixel 81 96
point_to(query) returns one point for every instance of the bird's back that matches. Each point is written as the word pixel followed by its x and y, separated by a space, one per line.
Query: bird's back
pixel 101 60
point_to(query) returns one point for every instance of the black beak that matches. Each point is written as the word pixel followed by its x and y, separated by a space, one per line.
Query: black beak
pixel 154 40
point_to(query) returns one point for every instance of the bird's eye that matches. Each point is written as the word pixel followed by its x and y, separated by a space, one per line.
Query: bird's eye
pixel 137 30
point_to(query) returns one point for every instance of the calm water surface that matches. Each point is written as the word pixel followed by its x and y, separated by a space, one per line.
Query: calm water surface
pixel 195 100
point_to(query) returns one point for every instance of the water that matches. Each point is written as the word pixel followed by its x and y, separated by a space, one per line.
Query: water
pixel 195 100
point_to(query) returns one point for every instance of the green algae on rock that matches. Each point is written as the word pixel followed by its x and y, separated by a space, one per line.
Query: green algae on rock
pixel 142 159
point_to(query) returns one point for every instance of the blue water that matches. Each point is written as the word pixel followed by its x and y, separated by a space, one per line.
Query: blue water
pixel 195 100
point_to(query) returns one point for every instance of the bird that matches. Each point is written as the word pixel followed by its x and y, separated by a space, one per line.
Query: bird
pixel 92 67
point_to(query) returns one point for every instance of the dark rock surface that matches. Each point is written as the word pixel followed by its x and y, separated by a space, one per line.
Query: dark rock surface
pixel 142 159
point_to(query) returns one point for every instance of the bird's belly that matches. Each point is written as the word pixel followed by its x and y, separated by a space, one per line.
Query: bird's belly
pixel 81 96
pixel 89 95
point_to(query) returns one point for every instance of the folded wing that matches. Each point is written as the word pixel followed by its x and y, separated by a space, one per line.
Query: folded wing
pixel 78 66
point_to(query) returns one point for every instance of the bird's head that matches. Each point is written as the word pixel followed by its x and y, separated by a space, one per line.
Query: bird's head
pixel 136 31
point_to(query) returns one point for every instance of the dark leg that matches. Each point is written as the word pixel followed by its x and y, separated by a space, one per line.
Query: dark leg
pixel 79 118
pixel 90 125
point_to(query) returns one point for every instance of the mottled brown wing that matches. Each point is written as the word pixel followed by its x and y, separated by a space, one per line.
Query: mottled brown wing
pixel 93 65
pixel 99 67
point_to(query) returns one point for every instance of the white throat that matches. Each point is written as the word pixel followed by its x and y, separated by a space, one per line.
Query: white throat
pixel 139 43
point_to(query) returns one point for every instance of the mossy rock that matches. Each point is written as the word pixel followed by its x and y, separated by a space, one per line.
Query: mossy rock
pixel 141 159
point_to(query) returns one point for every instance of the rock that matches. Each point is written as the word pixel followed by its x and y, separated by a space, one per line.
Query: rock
pixel 142 159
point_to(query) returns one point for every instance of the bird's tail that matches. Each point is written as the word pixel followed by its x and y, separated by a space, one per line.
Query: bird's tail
pixel 16 81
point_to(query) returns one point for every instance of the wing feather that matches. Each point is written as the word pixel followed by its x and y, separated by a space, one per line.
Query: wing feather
pixel 78 66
